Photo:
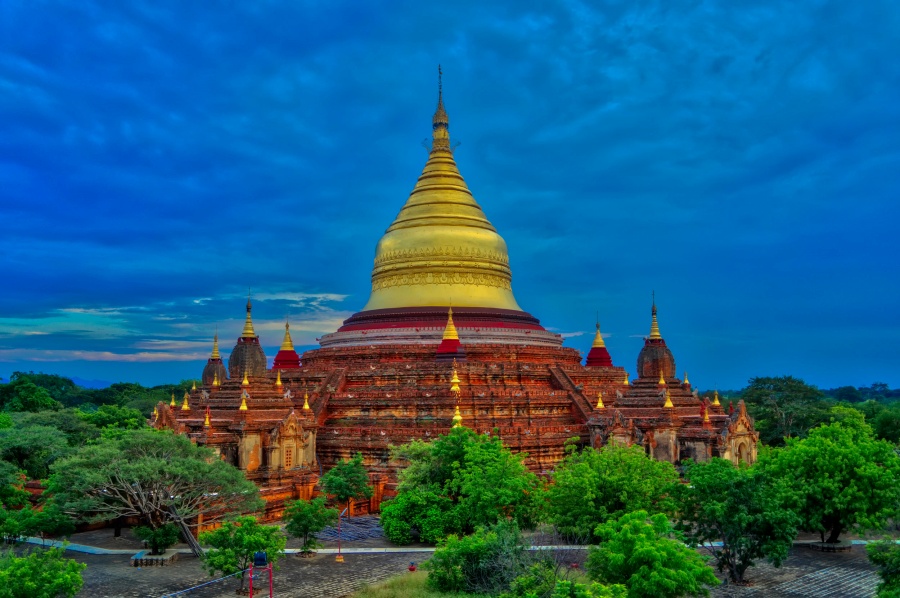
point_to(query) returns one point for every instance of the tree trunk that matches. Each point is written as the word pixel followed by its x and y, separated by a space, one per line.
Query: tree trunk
pixel 833 536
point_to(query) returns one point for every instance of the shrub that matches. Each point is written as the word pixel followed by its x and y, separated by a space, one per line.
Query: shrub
pixel 886 555
pixel 306 518
pixel 160 538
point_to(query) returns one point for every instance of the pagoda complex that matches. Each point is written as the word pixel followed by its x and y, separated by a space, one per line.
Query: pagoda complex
pixel 441 336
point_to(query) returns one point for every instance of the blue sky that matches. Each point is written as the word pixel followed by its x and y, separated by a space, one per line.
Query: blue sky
pixel 742 159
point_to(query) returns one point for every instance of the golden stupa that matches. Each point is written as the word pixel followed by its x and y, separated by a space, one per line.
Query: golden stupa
pixel 441 246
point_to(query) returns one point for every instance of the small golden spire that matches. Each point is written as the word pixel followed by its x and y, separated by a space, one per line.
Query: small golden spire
pixel 600 400
pixel 215 351
pixel 627 383
pixel 155 413
pixel 654 325
pixel 705 414
pixel 172 404
pixel 662 380
pixel 287 344
pixel 450 330
pixel 454 381
pixel 245 381
pixel 206 420
pixel 215 378
pixel 244 397
pixel 278 379
pixel 457 417
pixel 716 398
pixel 440 123
pixel 185 406
pixel 686 381
pixel 669 403
pixel 194 385
pixel 306 401
pixel 598 339
pixel 248 331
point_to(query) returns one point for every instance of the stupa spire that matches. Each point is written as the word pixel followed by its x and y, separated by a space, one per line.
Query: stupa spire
pixel 288 343
pixel 248 331
pixel 215 352
pixel 598 339
pixel 450 330
pixel 440 122
pixel 654 324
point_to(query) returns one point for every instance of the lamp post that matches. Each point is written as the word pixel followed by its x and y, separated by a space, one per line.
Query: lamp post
pixel 339 558
pixel 261 561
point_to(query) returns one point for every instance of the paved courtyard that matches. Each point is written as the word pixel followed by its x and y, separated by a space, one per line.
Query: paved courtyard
pixel 806 573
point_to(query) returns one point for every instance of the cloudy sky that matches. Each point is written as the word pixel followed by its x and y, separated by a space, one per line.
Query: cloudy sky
pixel 742 159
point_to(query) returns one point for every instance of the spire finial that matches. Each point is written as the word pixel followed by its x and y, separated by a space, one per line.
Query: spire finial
pixel 248 331
pixel 440 123
pixel 654 325
pixel 306 401
pixel 215 351
pixel 598 338
pixel 668 404
pixel 600 399
pixel 278 379
pixel 716 398
pixel 450 332
pixel 288 343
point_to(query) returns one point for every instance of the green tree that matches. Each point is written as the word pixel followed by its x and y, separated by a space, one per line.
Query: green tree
pixel 158 539
pixel 458 482
pixel 12 480
pixel 638 550
pixel 485 562
pixel 15 525
pixel 113 416
pixel 305 518
pixel 39 574
pixel 784 407
pixel 348 480
pixel 33 449
pixel 886 424
pixel 571 589
pixel 739 507
pixel 840 477
pixel 594 486
pixel 160 477
pixel 886 555
pixel 849 394
pixel 234 544
pixel 24 395
pixel 61 389
pixel 78 432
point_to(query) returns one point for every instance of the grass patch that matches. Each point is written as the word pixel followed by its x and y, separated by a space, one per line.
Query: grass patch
pixel 406 585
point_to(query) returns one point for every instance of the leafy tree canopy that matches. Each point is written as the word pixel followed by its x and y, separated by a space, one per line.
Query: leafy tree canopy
pixel 305 518
pixel 739 507
pixel 348 480
pixel 39 574
pixel 33 449
pixel 886 555
pixel 158 476
pixel 234 544
pixel 113 416
pixel 70 422
pixel 784 407
pixel 594 486
pixel 24 395
pixel 638 550
pixel 839 477
pixel 458 482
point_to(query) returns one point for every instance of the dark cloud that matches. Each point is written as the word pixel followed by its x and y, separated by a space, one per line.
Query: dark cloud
pixel 741 159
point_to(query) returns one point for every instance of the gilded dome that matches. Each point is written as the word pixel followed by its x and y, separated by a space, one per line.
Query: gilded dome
pixel 441 249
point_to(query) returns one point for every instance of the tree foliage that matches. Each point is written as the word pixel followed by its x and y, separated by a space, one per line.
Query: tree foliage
pixel 33 449
pixel 485 562
pixel 638 550
pixel 157 476
pixel 234 544
pixel 159 538
pixel 886 555
pixel 348 480
pixel 305 518
pixel 459 482
pixel 597 485
pixel 739 507
pixel 21 394
pixel 784 407
pixel 840 477
pixel 39 574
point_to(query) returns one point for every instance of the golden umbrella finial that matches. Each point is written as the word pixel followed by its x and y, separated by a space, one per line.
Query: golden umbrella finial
pixel 278 379
pixel 244 397
pixel 598 338
pixel 215 351
pixel 215 378
pixel 172 403
pixel 705 413
pixel 155 413
pixel 686 381
pixel 669 403
pixel 450 332
pixel 194 385
pixel 599 399
pixel 662 380
pixel 627 383
pixel 248 331
pixel 288 343
pixel 716 398
pixel 454 381
pixel 206 421
pixel 245 381
pixel 654 324
pixel 306 401
pixel 184 405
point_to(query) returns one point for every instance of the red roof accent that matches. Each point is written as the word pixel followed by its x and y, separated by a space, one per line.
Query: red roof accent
pixel 286 360
pixel 599 358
